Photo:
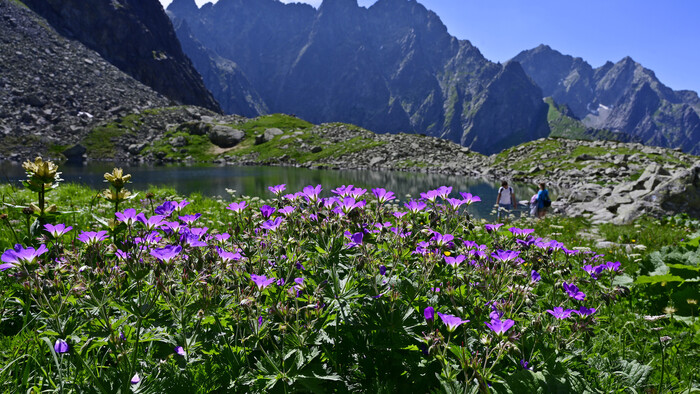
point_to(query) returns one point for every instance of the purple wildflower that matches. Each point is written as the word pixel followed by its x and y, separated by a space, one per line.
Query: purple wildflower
pixel 228 256
pixel 180 351
pixel 610 266
pixel 535 276
pixel 593 271
pixel 136 378
pixel 444 191
pixel 286 210
pixel 452 322
pixel 267 211
pixel 442 239
pixel 355 239
pixel 61 346
pixel 91 237
pixel 455 261
pixel 382 270
pixel 277 190
pixel 415 206
pixel 237 207
pixel 357 192
pixel 311 193
pixel 272 225
pixel 492 227
pixel 172 227
pixel 150 239
pixel 166 209
pixel 500 326
pixel 525 364
pixel 151 222
pixel 349 203
pixel 189 219
pixel 455 203
pixel 280 282
pixel 180 205
pixel 585 312
pixel 299 266
pixel 15 256
pixel 262 281
pixel 260 321
pixel 560 313
pixel 166 253
pixel 129 216
pixel 383 195
pixel 399 215
pixel 57 230
pixel 573 291
pixel 221 238
pixel 122 255
pixel 519 231
pixel 429 313
pixel 468 198
pixel 194 241
pixel 505 255
pixel 430 195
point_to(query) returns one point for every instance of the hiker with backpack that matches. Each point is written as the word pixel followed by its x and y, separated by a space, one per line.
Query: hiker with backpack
pixel 543 201
pixel 506 199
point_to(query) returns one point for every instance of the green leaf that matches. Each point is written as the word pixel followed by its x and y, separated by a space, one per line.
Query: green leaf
pixel 644 279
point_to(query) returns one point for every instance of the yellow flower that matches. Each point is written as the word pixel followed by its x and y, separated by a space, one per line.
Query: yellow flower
pixel 633 241
pixel 111 195
pixel 447 253
pixel 45 170
pixel 117 178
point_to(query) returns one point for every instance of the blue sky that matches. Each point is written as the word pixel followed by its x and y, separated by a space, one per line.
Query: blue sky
pixel 661 35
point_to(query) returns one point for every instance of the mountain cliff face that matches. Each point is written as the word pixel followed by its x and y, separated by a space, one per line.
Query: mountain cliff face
pixel 53 90
pixel 622 97
pixel 134 35
pixel 391 67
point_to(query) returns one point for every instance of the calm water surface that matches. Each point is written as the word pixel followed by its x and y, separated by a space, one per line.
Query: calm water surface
pixel 253 181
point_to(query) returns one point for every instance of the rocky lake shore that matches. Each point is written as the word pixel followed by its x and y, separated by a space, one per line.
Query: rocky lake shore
pixel 605 181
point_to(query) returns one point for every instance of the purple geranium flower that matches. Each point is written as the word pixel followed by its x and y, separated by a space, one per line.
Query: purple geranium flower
pixel 136 378
pixel 415 206
pixel 166 253
pixel 286 210
pixel 573 291
pixel 593 271
pixel 455 203
pixel 166 209
pixel 151 222
pixel 610 266
pixel 429 313
pixel 193 240
pixel 92 237
pixel 343 190
pixel 311 193
pixel 180 205
pixel 505 255
pixel 444 191
pixel 442 239
pixel 277 190
pixel 492 227
pixel 272 225
pixel 535 276
pixel 382 270
pixel 525 364
pixel 237 207
pixel 399 215
pixel 221 238
pixel 267 211
pixel 455 261
pixel 61 346
pixel 180 351
pixel 500 326
pixel 452 322
pixel 228 256
pixel 349 203
pixel 262 281
pixel 57 230
pixel 468 198
pixel 355 239
pixel 383 195
pixel 585 312
pixel 129 216
pixel 430 195
pixel 14 256
pixel 520 231
pixel 189 219
pixel 560 313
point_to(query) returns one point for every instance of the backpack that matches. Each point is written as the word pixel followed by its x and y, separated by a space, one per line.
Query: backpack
pixel 533 200
pixel 546 202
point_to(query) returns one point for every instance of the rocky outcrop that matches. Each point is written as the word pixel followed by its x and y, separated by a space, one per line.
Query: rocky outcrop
pixel 391 67
pixel 53 90
pixel 623 97
pixel 134 35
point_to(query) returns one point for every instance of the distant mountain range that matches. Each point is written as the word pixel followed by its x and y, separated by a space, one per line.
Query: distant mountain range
pixel 622 97
pixel 390 68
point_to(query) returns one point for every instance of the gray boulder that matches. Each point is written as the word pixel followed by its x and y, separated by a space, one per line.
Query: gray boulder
pixel 225 137
pixel 267 136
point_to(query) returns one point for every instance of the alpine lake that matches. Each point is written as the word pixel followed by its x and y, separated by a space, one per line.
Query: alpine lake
pixel 234 181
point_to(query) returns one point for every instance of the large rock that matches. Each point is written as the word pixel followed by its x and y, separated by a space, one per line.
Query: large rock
pixel 225 137
pixel 267 136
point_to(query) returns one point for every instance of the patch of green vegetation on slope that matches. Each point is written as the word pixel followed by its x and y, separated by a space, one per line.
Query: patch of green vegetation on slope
pixel 100 142
pixel 563 125
pixel 298 142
